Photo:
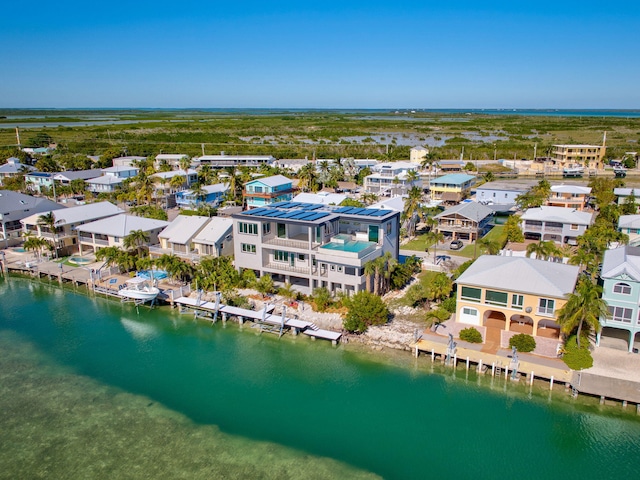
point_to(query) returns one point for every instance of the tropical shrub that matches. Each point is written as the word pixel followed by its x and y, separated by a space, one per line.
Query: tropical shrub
pixel 365 309
pixel 471 335
pixel 449 304
pixel 577 358
pixel 322 299
pixel 523 342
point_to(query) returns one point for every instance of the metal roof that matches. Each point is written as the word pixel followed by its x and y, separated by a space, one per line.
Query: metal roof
pixel 622 260
pixel 453 179
pixel 121 225
pixel 521 274
pixel 183 228
pixel 82 213
pixel 558 214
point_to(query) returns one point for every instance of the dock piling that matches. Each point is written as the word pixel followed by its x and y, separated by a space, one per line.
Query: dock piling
pixel 551 383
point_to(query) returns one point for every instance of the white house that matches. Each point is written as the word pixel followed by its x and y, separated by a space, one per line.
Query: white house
pixel 417 154
pixel 111 231
pixel 177 237
pixel 216 238
pixel 393 178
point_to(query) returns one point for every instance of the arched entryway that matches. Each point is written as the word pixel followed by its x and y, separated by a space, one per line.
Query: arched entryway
pixel 521 324
pixel 496 323
pixel 548 329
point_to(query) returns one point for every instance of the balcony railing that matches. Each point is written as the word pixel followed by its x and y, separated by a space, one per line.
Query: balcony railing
pixel 285 267
pixel 288 242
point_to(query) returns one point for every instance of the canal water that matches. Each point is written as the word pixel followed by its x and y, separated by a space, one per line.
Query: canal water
pixel 91 389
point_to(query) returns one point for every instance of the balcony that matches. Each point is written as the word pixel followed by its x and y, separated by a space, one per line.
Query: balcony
pixel 157 250
pixel 288 242
pixel 285 267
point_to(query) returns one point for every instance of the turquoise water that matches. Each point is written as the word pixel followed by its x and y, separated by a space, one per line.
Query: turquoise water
pixel 185 395
pixel 345 244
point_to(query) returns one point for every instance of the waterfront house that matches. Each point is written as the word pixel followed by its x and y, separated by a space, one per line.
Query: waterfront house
pixel 67 220
pixel 212 195
pixel 111 179
pixel 621 290
pixel 177 237
pixel 452 188
pixel 467 221
pixel 111 231
pixel 311 246
pixel 449 166
pixel 129 161
pixel 558 224
pixel 417 154
pixel 569 196
pixel 268 190
pixel 222 160
pixel 216 238
pixel 502 192
pixel 15 206
pixel 626 194
pixel 393 178
pixel 163 180
pixel 104 184
pixel 13 168
pixel 173 160
pixel 517 294
pixel 36 181
pixel 630 226
pixel 589 156
pixel 291 164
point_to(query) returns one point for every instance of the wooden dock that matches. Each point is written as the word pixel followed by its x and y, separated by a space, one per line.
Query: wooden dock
pixel 264 318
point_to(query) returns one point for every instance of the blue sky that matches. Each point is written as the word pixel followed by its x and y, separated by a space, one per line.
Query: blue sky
pixel 320 54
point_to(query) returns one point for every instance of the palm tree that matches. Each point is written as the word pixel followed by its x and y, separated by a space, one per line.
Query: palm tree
pixel 369 271
pixel 49 220
pixel 583 306
pixel 198 192
pixel 37 244
pixel 433 237
pixel 411 208
pixel 185 163
pixel 206 175
pixel 543 249
pixel 177 182
pixel 369 198
pixel 109 255
pixel 135 240
pixel 307 177
pixel 492 247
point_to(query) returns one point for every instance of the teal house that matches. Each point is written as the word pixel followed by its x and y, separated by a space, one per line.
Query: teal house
pixel 621 290
pixel 266 191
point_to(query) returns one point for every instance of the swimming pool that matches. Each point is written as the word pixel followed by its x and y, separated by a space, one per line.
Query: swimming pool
pixel 79 260
pixel 157 274
pixel 18 249
pixel 344 243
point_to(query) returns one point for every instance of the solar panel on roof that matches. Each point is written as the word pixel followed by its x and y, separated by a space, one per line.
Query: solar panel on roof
pixel 317 216
pixel 256 211
pixel 299 214
pixel 290 213
pixel 356 211
pixel 343 209
pixel 312 207
pixel 380 213
pixel 368 211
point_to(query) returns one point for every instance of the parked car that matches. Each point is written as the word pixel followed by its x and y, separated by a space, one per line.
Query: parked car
pixel 456 245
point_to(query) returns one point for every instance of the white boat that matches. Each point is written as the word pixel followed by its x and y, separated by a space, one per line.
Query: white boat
pixel 573 171
pixel 138 288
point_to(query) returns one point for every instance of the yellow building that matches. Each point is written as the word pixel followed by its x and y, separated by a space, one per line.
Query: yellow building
pixel 589 156
pixel 514 294
pixel 451 188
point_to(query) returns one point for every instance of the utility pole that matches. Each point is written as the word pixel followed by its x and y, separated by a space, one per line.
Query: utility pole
pixel 203 149
pixel 18 136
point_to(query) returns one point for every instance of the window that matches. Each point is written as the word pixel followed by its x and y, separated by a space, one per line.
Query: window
pixel 620 314
pixel 250 228
pixel 280 256
pixel 469 311
pixel 388 228
pixel 257 189
pixel 350 270
pixel 546 306
pixel 282 230
pixel 248 248
pixel 517 301
pixel 332 268
pixel 496 298
pixel 301 257
pixel 473 294
pixel 622 288
pixel 574 226
pixel 266 228
pixel 340 268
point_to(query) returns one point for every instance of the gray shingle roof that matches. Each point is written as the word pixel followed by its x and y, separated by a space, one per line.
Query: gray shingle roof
pixel 471 210
pixel 622 260
pixel 558 214
pixel 521 274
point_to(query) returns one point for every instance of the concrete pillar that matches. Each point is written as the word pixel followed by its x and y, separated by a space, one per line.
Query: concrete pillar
pixel 631 338
pixel 241 320
pixel 507 324
pixel 531 377
pixel 480 366
pixel 598 335
pixel 535 327
pixel 551 383
pixel 467 363
pixel 433 355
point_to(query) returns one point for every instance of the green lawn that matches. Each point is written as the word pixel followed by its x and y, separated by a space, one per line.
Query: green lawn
pixel 418 244
pixel 494 234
